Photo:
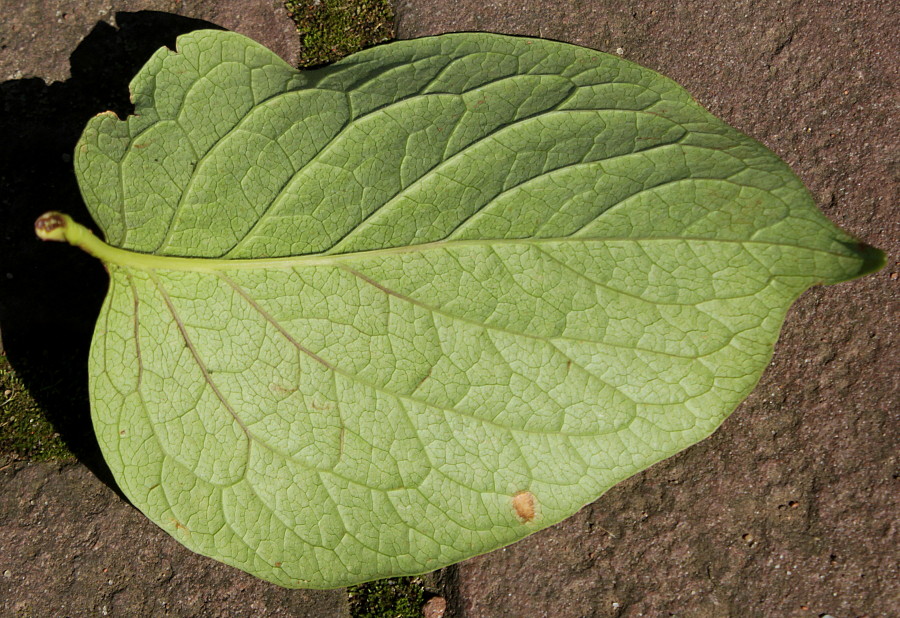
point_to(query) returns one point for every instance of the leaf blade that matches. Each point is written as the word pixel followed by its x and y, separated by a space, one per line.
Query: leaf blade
pixel 414 306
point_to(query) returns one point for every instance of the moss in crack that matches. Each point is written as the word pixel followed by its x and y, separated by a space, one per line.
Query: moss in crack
pixel 400 597
pixel 332 29
pixel 25 432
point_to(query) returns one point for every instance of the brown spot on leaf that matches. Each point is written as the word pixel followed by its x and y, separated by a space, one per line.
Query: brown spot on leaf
pixel 180 526
pixel 525 505
pixel 321 406
pixel 277 565
pixel 278 388
pixel 425 377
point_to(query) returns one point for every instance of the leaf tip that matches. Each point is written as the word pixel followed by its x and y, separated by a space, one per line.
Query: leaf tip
pixel 872 259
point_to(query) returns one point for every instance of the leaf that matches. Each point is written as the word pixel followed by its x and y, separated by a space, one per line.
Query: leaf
pixel 376 318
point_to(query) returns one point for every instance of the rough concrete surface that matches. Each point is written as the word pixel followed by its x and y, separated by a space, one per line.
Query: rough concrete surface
pixel 73 547
pixel 39 35
pixel 790 509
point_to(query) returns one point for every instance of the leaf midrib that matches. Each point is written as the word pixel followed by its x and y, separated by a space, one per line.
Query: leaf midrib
pixel 150 262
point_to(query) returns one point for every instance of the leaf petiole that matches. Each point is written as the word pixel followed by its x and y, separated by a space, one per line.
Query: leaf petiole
pixel 60 227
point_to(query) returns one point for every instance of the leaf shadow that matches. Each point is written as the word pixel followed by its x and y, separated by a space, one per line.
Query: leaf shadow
pixel 50 293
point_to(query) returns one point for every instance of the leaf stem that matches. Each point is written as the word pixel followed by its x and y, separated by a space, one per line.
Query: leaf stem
pixel 60 227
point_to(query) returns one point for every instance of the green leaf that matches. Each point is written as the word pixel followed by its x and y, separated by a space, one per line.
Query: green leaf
pixel 376 318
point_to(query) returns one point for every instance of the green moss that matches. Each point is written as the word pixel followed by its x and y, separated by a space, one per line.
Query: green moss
pixel 400 597
pixel 25 432
pixel 332 29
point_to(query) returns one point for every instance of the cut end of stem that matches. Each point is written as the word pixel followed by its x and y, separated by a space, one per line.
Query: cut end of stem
pixel 52 226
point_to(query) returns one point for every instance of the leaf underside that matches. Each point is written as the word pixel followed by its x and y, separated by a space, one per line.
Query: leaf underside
pixel 511 273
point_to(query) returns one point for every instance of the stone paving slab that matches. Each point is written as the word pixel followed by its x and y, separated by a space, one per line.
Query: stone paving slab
pixel 39 35
pixel 790 509
pixel 71 546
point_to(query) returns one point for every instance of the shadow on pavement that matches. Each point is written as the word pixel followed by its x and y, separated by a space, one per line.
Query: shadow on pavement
pixel 50 293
